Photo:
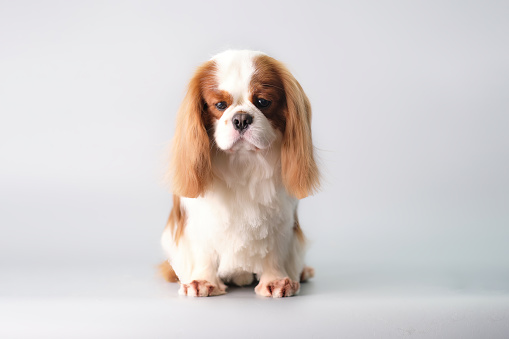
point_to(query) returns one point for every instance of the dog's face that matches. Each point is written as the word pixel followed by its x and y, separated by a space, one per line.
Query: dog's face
pixel 246 102
pixel 243 101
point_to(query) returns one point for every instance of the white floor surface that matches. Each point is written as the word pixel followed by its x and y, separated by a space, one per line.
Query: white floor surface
pixel 134 303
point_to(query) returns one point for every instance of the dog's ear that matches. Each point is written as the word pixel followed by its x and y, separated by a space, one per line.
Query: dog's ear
pixel 299 170
pixel 191 169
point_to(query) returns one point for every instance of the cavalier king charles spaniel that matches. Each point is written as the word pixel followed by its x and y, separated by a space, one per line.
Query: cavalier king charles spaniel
pixel 242 157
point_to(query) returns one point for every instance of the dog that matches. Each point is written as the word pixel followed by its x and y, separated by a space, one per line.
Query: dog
pixel 242 157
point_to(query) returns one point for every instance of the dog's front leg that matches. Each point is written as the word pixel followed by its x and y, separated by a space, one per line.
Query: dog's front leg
pixel 201 280
pixel 274 281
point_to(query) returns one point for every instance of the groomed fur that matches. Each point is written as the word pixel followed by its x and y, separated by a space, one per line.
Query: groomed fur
pixel 190 162
pixel 301 176
pixel 167 272
pixel 300 172
pixel 236 189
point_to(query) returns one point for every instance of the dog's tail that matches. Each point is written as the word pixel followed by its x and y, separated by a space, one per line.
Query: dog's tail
pixel 167 272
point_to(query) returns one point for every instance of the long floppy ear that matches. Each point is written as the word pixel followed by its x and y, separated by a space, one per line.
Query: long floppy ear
pixel 299 170
pixel 190 160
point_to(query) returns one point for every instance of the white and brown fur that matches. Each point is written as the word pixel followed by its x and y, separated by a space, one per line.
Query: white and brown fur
pixel 234 214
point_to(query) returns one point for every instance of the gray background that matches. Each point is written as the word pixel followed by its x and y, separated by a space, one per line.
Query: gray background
pixel 409 234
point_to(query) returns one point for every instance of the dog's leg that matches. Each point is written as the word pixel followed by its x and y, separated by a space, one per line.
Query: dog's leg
pixel 274 281
pixel 195 269
pixel 200 288
pixel 167 272
pixel 307 273
pixel 201 280
pixel 243 279
pixel 281 278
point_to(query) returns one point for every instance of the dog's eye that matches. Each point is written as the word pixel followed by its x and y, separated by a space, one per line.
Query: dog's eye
pixel 221 105
pixel 262 103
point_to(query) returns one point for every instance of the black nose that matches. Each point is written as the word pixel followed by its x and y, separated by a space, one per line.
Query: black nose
pixel 241 121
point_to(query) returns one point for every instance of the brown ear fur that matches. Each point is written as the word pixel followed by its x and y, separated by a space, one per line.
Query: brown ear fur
pixel 190 160
pixel 299 170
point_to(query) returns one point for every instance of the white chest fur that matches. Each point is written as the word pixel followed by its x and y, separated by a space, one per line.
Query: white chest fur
pixel 244 215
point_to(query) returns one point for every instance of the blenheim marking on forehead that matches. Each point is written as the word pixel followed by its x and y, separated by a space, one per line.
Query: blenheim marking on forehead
pixel 234 72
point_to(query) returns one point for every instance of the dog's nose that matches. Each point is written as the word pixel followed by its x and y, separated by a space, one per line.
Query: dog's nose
pixel 241 121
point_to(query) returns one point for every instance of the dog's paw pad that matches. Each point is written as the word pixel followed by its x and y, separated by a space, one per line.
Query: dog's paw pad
pixel 200 288
pixel 278 288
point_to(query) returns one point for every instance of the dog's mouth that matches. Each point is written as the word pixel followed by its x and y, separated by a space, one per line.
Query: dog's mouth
pixel 251 140
pixel 242 144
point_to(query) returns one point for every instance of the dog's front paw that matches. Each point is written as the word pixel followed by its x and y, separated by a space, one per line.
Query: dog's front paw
pixel 200 288
pixel 278 288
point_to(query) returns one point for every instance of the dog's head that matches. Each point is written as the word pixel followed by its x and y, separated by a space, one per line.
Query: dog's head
pixel 241 102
